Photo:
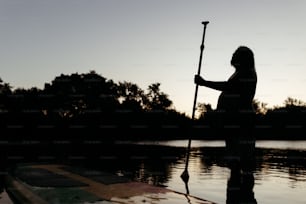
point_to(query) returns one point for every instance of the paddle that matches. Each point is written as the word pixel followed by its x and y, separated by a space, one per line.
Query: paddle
pixel 185 174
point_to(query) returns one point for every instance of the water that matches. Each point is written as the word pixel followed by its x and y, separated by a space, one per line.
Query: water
pixel 279 168
pixel 279 175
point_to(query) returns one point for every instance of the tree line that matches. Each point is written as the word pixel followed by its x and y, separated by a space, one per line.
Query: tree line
pixel 287 121
pixel 89 103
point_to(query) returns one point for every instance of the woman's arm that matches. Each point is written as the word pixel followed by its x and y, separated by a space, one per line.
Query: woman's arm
pixel 218 85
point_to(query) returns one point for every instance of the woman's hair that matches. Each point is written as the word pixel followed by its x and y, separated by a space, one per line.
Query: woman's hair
pixel 244 57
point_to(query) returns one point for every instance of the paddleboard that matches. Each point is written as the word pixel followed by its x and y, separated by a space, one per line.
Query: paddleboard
pixel 63 184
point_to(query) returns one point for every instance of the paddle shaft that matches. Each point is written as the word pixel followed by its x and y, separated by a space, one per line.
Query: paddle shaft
pixel 195 95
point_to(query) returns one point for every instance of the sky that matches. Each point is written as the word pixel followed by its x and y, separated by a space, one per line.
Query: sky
pixel 148 41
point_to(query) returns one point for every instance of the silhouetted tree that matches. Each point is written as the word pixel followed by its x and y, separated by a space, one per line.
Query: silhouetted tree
pixel 5 91
pixel 203 108
pixel 74 94
pixel 260 107
pixel 156 99
pixel 131 96
pixel 290 102
pixel 5 88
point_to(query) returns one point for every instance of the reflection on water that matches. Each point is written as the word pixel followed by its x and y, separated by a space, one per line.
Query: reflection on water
pixel 267 144
pixel 179 143
pixel 278 174
pixel 282 168
pixel 271 144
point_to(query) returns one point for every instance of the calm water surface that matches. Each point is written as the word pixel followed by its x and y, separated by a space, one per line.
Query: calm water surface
pixel 279 174
pixel 279 168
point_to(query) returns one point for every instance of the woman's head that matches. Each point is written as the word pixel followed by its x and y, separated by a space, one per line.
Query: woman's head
pixel 243 58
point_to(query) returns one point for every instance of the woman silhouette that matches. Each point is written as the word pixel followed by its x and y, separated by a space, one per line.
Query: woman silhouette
pixel 235 104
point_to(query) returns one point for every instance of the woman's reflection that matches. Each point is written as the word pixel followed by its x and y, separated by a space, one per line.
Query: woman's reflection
pixel 241 161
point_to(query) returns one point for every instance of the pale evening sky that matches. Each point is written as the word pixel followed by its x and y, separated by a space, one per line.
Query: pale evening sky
pixel 147 41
